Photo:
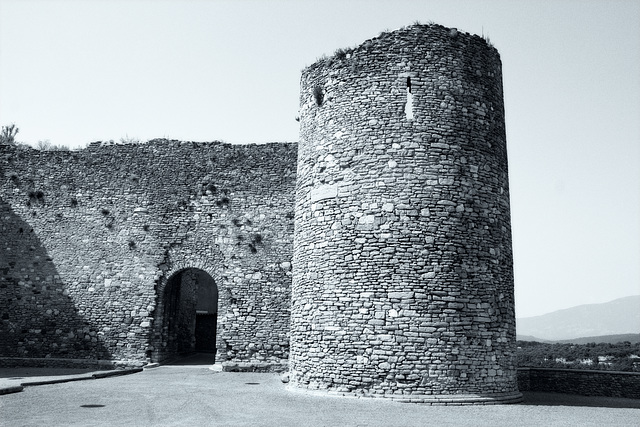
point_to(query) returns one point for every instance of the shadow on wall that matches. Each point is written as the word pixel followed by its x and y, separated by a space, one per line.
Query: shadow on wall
pixel 38 316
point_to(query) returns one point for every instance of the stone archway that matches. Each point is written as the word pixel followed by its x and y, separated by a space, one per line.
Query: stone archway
pixel 189 311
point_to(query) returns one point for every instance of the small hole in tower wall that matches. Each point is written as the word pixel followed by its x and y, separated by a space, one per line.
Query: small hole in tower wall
pixel 318 95
pixel 408 108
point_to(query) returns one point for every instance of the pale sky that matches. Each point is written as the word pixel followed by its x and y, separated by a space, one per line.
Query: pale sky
pixel 73 72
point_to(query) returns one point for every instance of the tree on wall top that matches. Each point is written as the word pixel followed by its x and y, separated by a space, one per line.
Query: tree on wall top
pixel 8 134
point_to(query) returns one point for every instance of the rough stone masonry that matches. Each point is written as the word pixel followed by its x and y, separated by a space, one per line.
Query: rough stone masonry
pixel 397 281
pixel 402 281
pixel 99 247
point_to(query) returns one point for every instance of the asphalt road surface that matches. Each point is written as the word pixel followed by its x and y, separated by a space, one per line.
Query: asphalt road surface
pixel 196 396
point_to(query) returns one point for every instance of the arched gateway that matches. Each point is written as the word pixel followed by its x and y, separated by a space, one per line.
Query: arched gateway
pixel 187 314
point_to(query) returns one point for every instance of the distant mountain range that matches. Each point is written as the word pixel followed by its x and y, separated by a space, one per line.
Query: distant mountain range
pixel 617 317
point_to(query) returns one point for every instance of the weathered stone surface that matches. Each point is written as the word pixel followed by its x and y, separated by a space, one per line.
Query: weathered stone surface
pixel 423 208
pixel 324 192
pixel 89 240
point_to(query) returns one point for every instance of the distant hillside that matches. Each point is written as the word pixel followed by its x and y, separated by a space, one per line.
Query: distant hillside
pixel 530 338
pixel 617 317
pixel 605 339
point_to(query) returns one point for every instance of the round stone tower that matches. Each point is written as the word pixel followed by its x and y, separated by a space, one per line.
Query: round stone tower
pixel 402 265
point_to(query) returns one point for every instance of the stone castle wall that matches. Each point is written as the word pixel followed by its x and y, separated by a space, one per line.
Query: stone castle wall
pixel 403 282
pixel 582 382
pixel 90 239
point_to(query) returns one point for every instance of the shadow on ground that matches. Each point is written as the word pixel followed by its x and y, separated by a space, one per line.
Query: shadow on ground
pixel 539 398
pixel 195 359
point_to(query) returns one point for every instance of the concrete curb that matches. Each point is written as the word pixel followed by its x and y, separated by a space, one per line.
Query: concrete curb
pixel 150 366
pixel 117 373
pixel 55 381
pixel 66 379
pixel 12 389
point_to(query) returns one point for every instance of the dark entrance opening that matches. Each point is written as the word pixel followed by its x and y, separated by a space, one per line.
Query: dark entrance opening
pixel 206 332
pixel 190 313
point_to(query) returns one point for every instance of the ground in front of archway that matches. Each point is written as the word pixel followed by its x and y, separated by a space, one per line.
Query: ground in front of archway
pixel 192 394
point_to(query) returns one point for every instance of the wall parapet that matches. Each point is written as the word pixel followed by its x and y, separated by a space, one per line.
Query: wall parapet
pixel 581 382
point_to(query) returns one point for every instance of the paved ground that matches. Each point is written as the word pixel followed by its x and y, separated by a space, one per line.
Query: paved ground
pixel 193 395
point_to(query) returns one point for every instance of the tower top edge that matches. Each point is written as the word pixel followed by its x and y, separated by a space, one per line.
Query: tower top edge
pixel 404 36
